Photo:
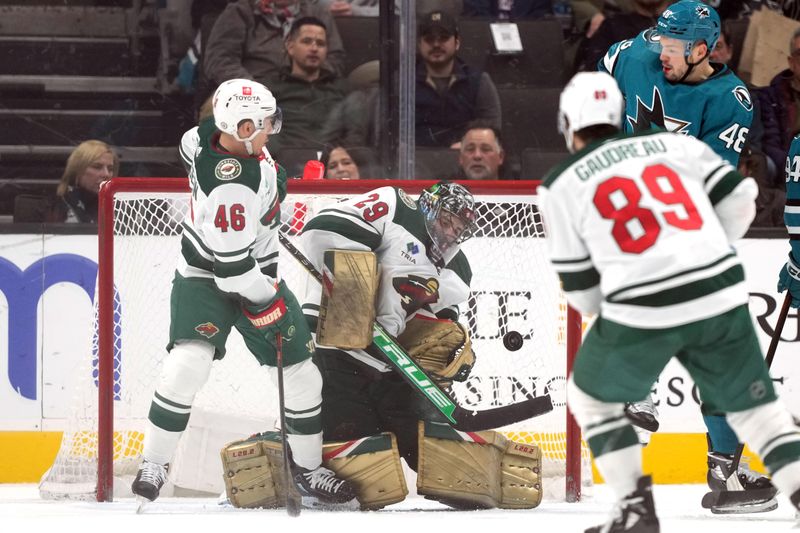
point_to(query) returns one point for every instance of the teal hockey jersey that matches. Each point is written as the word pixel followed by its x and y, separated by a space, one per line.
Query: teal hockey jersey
pixel 718 110
pixel 791 213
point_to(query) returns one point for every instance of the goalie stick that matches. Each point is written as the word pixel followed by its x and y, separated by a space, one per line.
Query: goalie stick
pixel 459 417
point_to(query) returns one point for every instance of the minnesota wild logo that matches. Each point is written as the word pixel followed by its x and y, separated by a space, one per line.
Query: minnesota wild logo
pixel 228 169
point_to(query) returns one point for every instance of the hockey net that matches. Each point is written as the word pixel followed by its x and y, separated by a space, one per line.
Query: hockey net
pixel 513 289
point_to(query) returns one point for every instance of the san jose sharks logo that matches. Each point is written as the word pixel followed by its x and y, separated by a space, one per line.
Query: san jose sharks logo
pixel 416 292
pixel 743 97
pixel 702 12
pixel 653 116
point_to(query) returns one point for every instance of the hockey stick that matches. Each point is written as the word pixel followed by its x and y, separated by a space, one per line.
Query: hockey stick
pixel 776 337
pixel 460 418
pixel 292 498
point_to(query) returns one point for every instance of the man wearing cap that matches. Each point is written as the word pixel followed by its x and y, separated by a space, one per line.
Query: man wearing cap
pixel 669 83
pixel 449 93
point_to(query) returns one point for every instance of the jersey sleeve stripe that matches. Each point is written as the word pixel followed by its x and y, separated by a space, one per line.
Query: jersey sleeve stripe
pixel 724 187
pixel 194 256
pixel 346 228
pixel 197 242
pixel 572 265
pixel 715 174
pixel 794 203
pixel 689 291
pixel 233 269
pixel 579 281
pixel 187 160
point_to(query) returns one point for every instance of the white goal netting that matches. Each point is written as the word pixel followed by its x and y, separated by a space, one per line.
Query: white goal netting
pixel 513 289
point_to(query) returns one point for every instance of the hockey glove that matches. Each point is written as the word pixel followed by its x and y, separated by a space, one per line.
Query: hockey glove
pixel 789 278
pixel 269 318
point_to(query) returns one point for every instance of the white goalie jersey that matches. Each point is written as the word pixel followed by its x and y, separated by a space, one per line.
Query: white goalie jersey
pixel 389 223
pixel 629 221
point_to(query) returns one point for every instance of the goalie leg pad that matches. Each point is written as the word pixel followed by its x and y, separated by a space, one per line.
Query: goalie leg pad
pixel 460 469
pixel 254 476
pixel 347 306
pixel 478 469
pixel 372 465
pixel 253 471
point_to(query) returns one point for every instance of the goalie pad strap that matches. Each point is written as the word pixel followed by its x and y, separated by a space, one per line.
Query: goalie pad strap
pixel 347 305
pixel 477 470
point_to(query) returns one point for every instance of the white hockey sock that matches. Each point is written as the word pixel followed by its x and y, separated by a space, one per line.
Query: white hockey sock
pixel 611 438
pixel 185 370
pixel 303 400
pixel 771 433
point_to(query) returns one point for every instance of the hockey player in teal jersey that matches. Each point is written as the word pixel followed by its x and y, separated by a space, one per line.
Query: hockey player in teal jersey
pixel 789 277
pixel 669 83
pixel 640 230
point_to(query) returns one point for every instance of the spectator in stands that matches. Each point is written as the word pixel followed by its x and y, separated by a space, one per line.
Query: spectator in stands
pixel 780 112
pixel 349 8
pixel 247 40
pixel 354 121
pixel 449 93
pixel 306 89
pixel 481 155
pixel 508 9
pixel 89 165
pixel 340 165
pixel 617 27
pixel 723 50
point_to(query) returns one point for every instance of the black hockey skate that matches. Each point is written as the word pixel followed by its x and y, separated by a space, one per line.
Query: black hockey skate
pixel 636 512
pixel 321 488
pixel 643 414
pixel 736 489
pixel 149 480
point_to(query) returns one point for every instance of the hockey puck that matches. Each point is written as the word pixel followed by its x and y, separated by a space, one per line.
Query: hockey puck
pixel 512 341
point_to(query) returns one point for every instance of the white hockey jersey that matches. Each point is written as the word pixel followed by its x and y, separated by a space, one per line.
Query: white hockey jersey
pixel 231 233
pixel 640 228
pixel 389 223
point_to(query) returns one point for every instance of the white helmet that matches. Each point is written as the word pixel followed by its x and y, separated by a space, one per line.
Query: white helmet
pixel 239 99
pixel 589 99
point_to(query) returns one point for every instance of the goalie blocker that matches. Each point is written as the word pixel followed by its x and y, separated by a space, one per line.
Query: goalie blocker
pixel 463 470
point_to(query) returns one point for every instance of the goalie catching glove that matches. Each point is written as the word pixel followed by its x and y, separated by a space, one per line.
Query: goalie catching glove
pixel 441 347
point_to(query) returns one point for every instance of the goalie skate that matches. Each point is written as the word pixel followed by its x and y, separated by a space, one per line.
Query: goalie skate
pixel 149 480
pixel 735 489
pixel 320 488
pixel 636 513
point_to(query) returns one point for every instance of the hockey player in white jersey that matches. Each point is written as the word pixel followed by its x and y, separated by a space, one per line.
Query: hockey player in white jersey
pixel 640 230
pixel 404 268
pixel 227 277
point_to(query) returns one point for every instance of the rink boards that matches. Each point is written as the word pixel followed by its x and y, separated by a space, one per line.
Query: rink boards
pixel 48 281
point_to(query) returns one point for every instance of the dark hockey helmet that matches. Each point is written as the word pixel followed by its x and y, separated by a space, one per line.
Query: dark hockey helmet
pixel 687 20
pixel 449 210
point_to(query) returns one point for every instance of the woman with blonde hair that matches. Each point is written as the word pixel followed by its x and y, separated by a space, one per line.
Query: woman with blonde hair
pixel 89 165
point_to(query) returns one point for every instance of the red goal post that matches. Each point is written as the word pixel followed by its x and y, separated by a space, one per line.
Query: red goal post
pixel 519 225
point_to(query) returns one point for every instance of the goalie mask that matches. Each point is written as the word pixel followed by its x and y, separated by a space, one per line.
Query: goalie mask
pixel 688 21
pixel 449 210
pixel 238 100
pixel 589 99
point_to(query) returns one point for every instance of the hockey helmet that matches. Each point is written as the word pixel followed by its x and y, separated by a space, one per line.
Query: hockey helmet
pixel 239 99
pixel 449 211
pixel 589 99
pixel 687 20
